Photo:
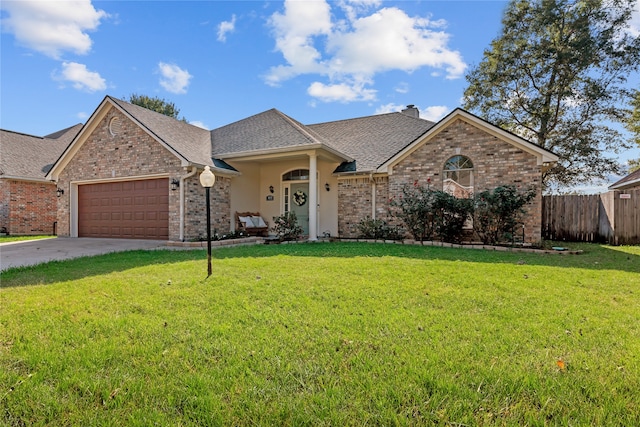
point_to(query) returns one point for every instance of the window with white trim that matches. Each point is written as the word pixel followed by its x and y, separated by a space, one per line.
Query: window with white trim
pixel 458 177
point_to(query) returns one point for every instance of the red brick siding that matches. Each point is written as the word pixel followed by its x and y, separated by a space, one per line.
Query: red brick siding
pixel 27 208
pixel 4 204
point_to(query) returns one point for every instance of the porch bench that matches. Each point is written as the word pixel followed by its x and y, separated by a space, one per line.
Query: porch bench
pixel 251 223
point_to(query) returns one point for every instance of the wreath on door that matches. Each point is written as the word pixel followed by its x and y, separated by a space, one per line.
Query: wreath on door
pixel 299 198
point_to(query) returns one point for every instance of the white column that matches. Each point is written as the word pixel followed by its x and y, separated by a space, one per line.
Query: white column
pixel 313 197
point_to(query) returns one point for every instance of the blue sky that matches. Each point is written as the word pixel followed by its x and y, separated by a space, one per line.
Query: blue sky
pixel 221 61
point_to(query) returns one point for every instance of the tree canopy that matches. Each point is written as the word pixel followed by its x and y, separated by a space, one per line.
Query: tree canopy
pixel 156 104
pixel 556 75
pixel 632 123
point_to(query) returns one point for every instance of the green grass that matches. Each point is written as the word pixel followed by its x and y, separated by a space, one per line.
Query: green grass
pixel 323 334
pixel 9 239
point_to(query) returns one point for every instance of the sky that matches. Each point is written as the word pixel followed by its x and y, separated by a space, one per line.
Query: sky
pixel 222 61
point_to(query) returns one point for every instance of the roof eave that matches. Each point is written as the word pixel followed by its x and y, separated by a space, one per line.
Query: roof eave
pixel 291 150
pixel 26 179
pixel 619 186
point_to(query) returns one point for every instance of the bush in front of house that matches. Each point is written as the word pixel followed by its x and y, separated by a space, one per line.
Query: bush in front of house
pixel 370 228
pixel 497 212
pixel 286 226
pixel 414 208
pixel 428 213
pixel 450 214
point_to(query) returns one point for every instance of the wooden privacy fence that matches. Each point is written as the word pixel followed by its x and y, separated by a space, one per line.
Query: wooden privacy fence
pixel 612 217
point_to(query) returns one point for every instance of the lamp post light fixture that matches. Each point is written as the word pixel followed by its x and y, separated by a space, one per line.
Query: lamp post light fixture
pixel 207 179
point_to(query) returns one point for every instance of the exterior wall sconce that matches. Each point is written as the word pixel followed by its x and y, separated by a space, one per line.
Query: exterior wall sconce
pixel 271 189
pixel 327 186
pixel 175 184
pixel 59 192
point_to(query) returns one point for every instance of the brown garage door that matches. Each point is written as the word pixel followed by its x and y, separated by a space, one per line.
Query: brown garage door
pixel 126 210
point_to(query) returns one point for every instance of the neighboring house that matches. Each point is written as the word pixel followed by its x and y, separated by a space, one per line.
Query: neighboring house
pixel 629 182
pixel 27 199
pixel 133 173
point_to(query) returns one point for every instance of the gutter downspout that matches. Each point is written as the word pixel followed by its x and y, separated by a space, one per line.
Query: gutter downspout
pixel 194 170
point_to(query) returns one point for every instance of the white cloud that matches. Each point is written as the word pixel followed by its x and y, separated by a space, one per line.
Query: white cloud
pixel 52 27
pixel 389 108
pixel 82 115
pixel 294 31
pixel 199 124
pixel 434 113
pixel 391 40
pixel 341 92
pixel 402 87
pixel 226 27
pixel 80 77
pixel 174 79
pixel 349 52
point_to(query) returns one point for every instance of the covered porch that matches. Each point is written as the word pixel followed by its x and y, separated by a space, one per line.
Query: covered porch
pixel 300 181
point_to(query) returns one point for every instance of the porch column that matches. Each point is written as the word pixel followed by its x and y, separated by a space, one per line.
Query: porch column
pixel 313 197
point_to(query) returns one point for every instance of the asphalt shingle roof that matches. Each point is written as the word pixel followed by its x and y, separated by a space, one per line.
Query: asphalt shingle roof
pixel 631 178
pixel 31 157
pixel 191 142
pixel 270 129
pixel 372 140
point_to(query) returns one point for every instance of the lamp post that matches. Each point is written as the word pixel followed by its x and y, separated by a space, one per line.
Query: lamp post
pixel 207 179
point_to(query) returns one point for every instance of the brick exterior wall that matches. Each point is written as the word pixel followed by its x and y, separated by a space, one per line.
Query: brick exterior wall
pixel 27 208
pixel 355 198
pixel 4 205
pixel 495 163
pixel 134 153
pixel 354 204
pixel 196 206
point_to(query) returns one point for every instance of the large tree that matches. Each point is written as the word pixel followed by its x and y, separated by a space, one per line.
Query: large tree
pixel 556 75
pixel 632 123
pixel 156 104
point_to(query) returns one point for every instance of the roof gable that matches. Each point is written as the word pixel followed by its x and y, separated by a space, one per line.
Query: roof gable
pixel 261 133
pixel 189 143
pixel 543 155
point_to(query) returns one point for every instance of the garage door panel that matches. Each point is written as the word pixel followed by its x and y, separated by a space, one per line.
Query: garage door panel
pixel 133 209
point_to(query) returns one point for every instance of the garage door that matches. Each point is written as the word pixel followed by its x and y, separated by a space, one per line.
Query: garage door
pixel 126 210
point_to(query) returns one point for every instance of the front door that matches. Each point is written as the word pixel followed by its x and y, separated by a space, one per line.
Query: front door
pixel 300 204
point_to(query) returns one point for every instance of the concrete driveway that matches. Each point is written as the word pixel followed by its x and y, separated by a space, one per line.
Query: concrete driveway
pixel 17 254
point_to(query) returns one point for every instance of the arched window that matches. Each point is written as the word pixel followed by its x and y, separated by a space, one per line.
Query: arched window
pixel 458 177
pixel 296 175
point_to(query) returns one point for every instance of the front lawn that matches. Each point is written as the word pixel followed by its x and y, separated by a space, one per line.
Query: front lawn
pixel 323 334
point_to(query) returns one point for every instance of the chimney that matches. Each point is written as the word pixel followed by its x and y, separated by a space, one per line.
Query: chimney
pixel 412 111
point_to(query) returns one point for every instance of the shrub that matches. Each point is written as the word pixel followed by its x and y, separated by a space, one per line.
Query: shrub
pixel 427 213
pixel 415 210
pixel 498 211
pixel 370 228
pixel 450 214
pixel 286 226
